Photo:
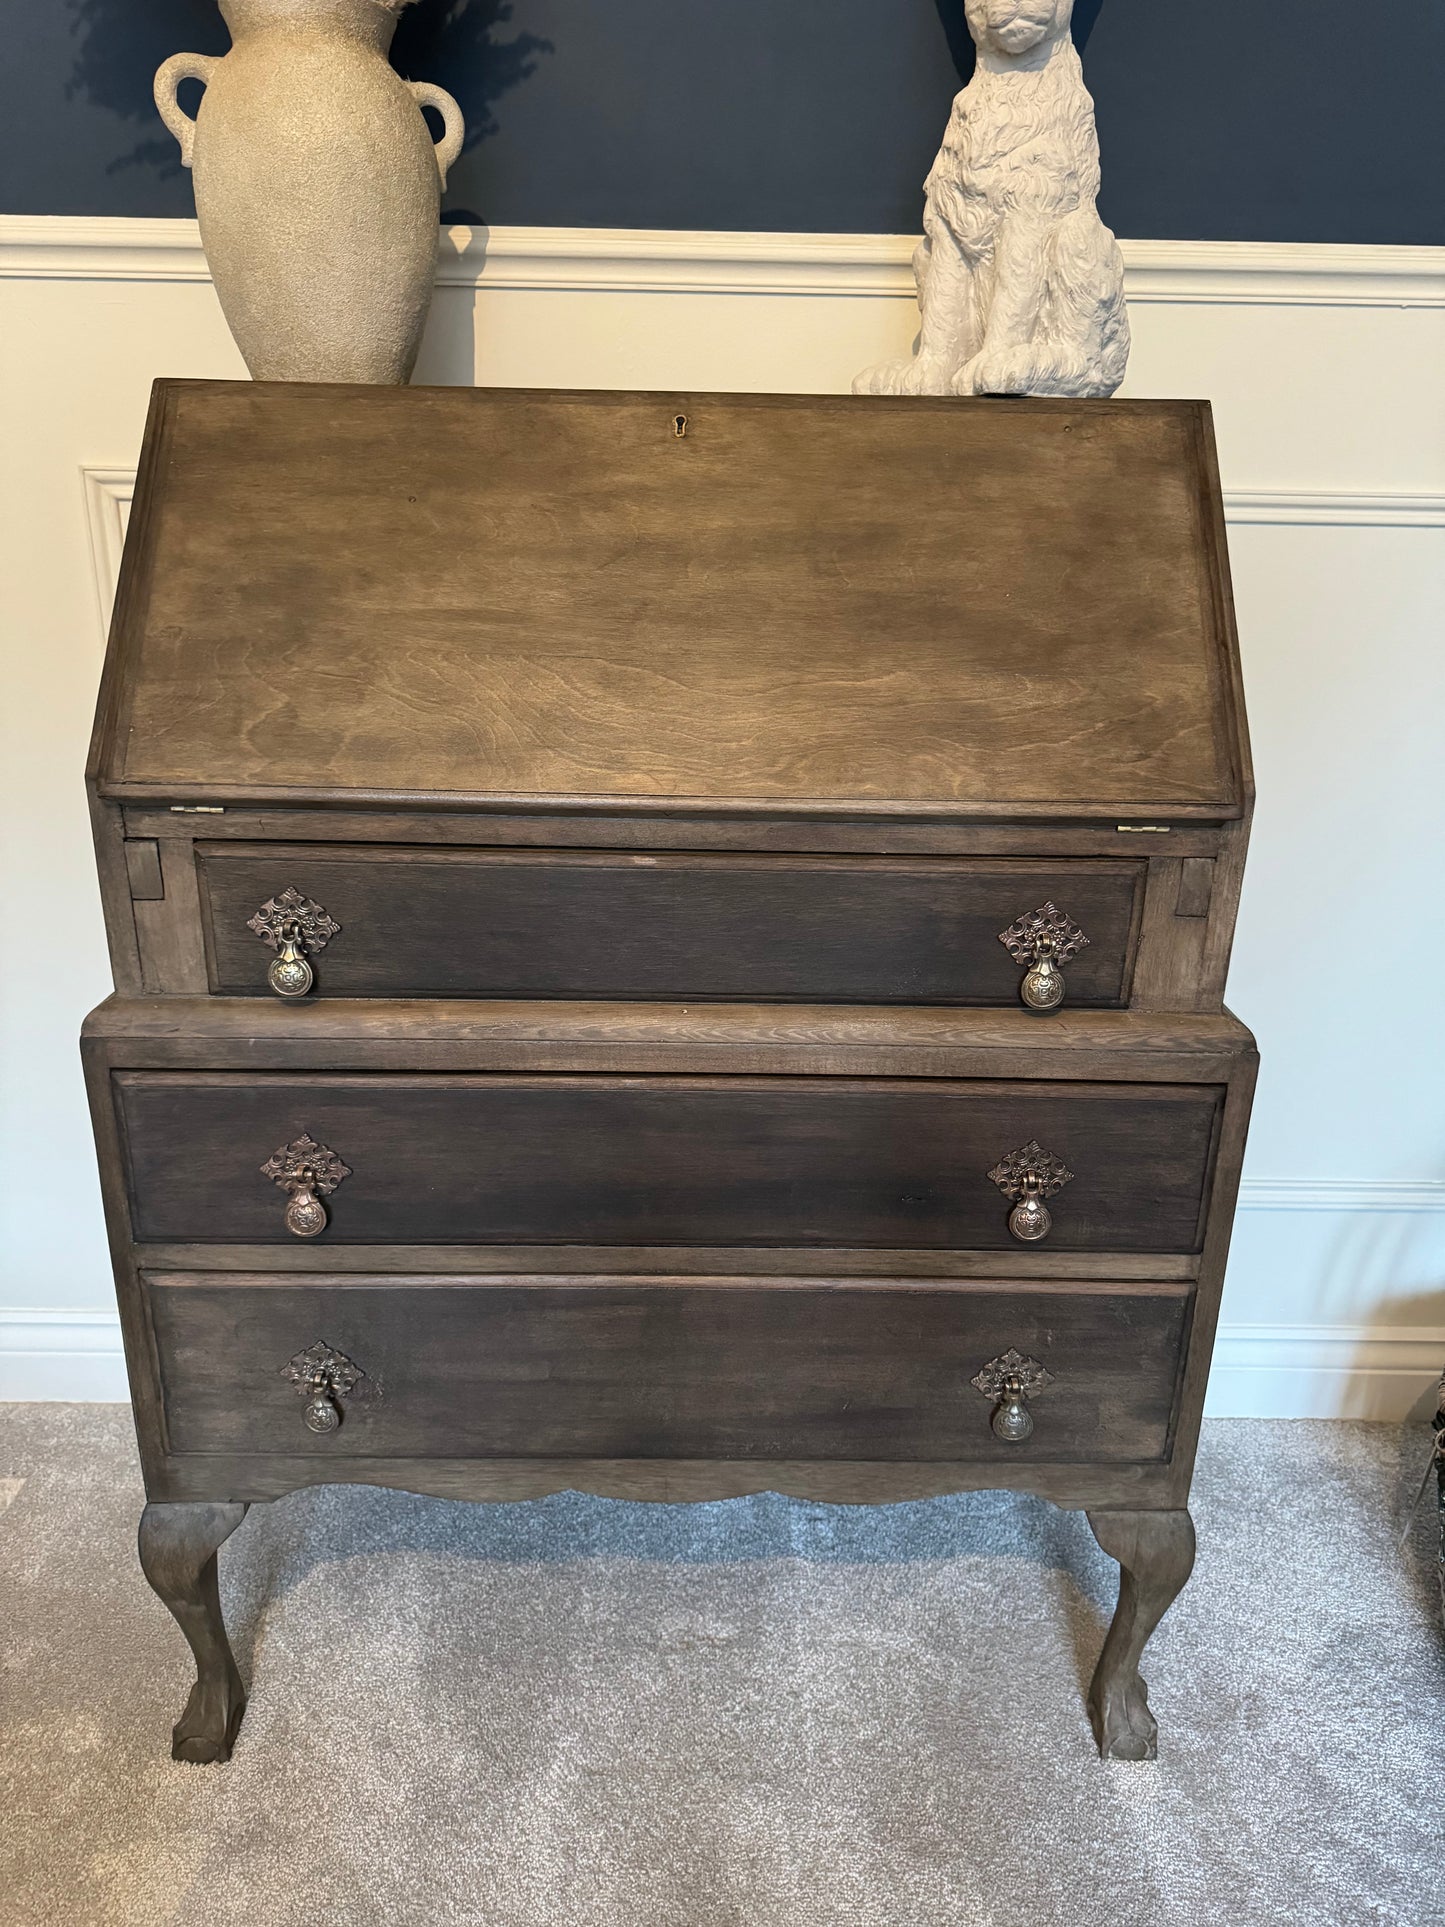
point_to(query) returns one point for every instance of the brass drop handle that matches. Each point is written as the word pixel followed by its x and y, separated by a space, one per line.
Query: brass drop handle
pixel 1043 984
pixel 322 1413
pixel 323 1377
pixel 1012 1421
pixel 305 1213
pixel 307 1172
pixel 290 975
pixel 1043 940
pixel 1027 1177
pixel 1011 1380
pixel 295 928
pixel 1031 1219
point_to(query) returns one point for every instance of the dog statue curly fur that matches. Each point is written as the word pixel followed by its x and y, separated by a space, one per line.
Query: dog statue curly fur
pixel 1020 284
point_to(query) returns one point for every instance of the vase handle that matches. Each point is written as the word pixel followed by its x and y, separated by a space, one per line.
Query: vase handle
pixel 453 125
pixel 169 76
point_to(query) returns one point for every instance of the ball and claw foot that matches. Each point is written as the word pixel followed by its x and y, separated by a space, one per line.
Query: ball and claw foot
pixel 1123 1725
pixel 178 1546
pixel 206 1731
pixel 1155 1551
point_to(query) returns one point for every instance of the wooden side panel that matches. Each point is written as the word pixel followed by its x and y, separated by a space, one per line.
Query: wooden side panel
pixel 143 867
pixel 656 1368
pixel 668 1160
pixel 173 954
pixel 456 923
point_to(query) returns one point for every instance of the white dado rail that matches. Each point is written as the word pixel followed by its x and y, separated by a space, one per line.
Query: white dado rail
pixel 1321 363
pixel 683 261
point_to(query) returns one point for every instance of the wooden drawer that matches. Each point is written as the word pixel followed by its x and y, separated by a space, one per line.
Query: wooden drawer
pixel 667 1160
pixel 582 924
pixel 666 1367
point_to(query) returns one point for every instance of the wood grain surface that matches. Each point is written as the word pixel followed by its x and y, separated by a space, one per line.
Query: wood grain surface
pixel 724 1160
pixel 641 1368
pixel 994 606
pixel 464 923
pixel 220 1029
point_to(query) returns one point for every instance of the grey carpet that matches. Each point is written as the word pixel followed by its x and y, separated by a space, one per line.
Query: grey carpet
pixel 583 1713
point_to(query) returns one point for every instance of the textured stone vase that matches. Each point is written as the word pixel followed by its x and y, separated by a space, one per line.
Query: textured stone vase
pixel 318 189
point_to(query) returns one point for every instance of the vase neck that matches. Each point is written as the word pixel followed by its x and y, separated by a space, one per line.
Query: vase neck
pixel 372 21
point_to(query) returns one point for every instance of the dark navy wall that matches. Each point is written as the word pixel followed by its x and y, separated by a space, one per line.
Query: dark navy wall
pixel 1273 120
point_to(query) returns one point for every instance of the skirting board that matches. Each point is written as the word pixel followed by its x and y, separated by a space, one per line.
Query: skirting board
pixel 1324 1371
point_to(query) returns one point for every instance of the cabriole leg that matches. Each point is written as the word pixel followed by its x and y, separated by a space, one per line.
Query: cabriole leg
pixel 178 1545
pixel 1155 1551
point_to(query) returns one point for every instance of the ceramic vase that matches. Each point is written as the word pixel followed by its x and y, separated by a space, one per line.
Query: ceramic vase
pixel 318 188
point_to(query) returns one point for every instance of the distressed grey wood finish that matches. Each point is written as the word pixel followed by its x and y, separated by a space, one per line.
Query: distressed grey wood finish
pixel 178 1546
pixel 759 714
pixel 179 1035
pixel 1155 1551
pixel 1174 959
pixel 421 921
pixel 724 1160
pixel 553 596
pixel 666 1368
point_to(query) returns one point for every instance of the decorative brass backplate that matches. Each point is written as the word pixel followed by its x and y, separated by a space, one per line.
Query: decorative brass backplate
pixel 1011 1373
pixel 305 1162
pixel 321 1367
pixel 323 1377
pixel 278 914
pixel 1010 1380
pixel 1010 1174
pixel 307 1172
pixel 1021 939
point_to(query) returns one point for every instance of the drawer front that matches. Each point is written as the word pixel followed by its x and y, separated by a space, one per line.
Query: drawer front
pixel 668 1160
pixel 507 923
pixel 669 1368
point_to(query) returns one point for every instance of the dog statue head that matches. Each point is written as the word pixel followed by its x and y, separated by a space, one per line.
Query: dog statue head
pixel 1012 27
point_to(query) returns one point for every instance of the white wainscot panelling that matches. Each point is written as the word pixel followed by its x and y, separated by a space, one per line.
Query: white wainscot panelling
pixel 1322 366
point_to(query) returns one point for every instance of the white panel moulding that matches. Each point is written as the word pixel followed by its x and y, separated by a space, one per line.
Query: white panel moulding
pixel 680 261
pixel 1324 507
pixel 1328 1194
pixel 108 493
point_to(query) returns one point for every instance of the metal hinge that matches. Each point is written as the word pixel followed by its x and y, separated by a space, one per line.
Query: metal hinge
pixel 198 809
pixel 1142 829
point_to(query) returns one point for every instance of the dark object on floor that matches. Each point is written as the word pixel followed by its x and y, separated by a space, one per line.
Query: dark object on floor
pixel 670 945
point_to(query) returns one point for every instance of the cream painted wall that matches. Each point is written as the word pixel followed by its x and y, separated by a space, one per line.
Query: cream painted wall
pixel 1323 367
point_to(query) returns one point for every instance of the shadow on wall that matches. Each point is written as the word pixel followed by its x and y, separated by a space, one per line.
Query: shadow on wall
pixel 455 43
pixel 960 40
pixel 119 46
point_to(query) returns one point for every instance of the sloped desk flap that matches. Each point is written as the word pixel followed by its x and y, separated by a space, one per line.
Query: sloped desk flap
pixel 470 596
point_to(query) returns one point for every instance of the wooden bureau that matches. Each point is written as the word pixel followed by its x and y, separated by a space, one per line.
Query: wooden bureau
pixel 669 945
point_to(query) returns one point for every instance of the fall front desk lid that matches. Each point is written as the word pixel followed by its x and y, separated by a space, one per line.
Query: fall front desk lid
pixel 454 597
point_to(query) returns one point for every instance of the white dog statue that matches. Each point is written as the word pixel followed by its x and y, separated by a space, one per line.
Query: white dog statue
pixel 1020 284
